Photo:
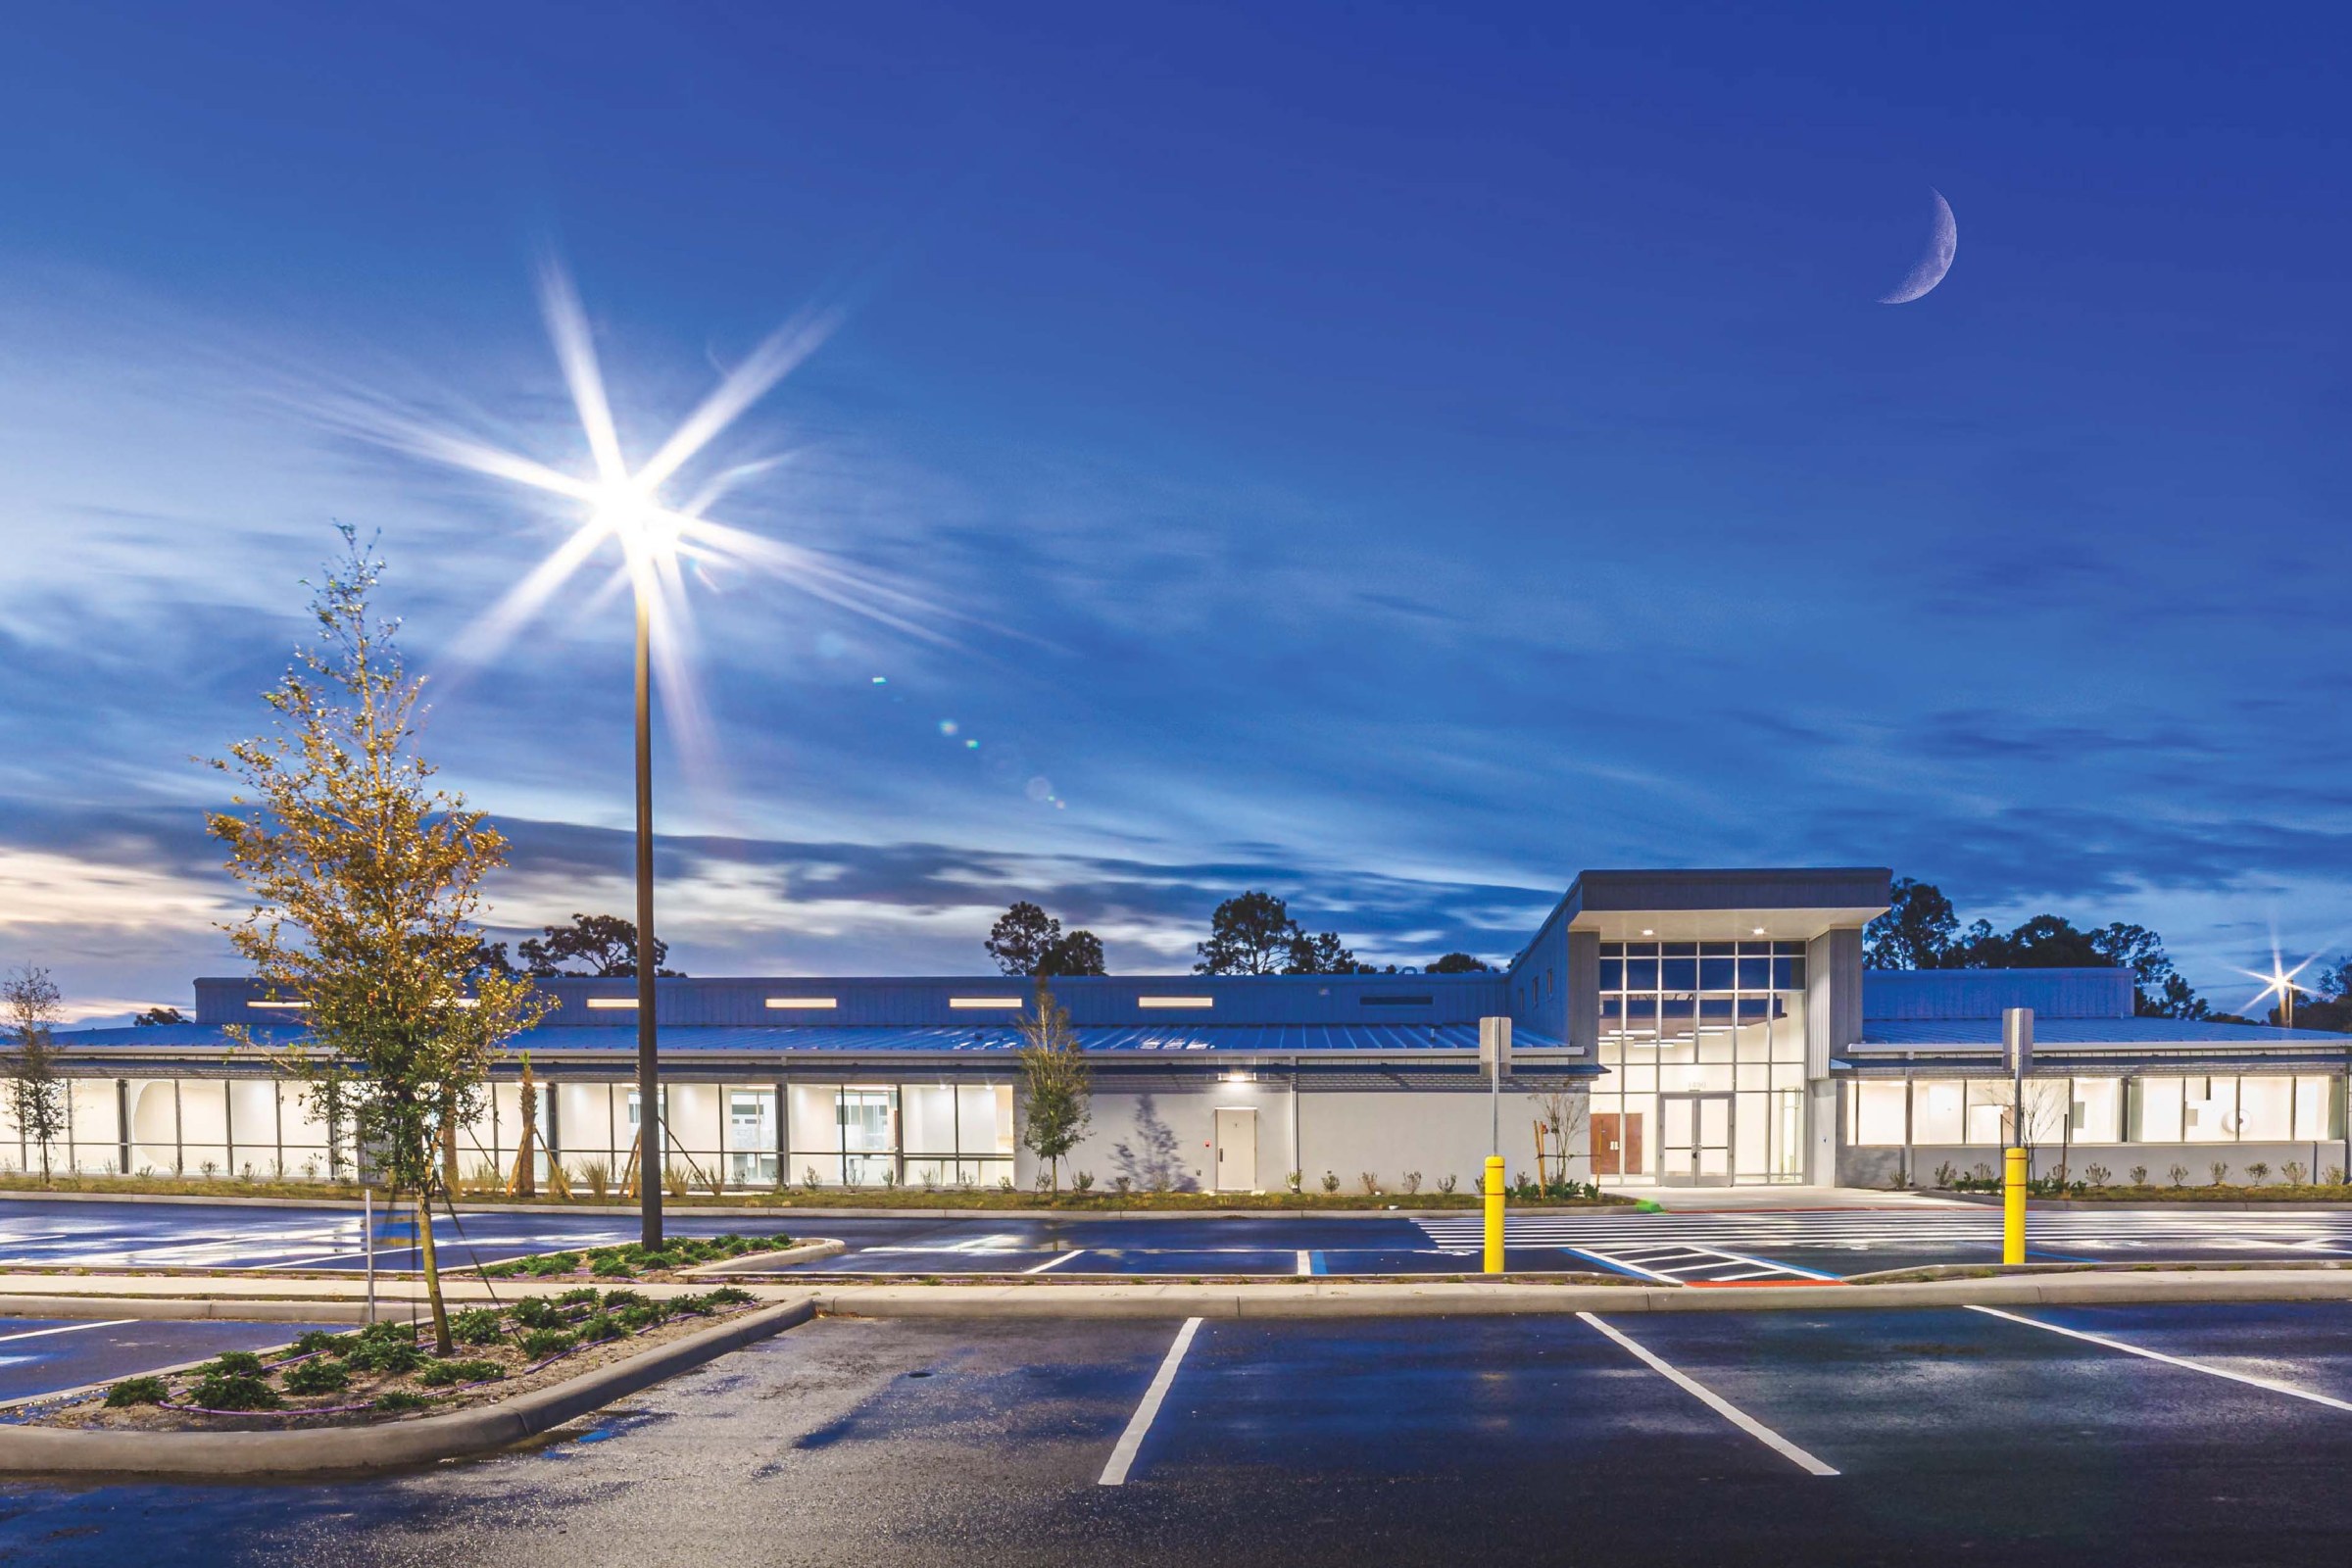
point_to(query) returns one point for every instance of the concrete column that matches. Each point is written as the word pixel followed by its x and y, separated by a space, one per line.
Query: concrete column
pixel 1581 994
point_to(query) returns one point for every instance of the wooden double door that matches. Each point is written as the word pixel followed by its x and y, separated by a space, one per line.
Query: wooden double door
pixel 1617 1144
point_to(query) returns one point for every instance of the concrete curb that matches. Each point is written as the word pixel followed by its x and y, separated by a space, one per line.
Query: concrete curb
pixel 393 1444
pixel 1346 1300
pixel 764 1262
pixel 2157 1206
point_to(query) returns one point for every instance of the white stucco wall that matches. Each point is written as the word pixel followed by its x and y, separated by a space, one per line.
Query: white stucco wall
pixel 1166 1137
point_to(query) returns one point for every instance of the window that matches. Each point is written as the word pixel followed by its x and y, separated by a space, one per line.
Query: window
pixel 2097 1116
pixel 1878 1109
pixel 2264 1109
pixel 1935 1112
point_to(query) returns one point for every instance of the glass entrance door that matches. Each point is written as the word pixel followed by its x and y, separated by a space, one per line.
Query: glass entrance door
pixel 1695 1140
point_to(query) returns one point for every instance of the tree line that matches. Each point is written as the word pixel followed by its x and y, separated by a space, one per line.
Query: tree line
pixel 1921 930
pixel 1249 933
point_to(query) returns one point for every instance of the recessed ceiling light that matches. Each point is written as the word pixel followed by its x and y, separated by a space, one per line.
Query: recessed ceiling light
pixel 1757 932
pixel 1647 932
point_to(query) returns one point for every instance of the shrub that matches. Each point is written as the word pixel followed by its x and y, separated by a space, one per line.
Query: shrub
pixel 1331 1181
pixel 1122 1185
pixel 1412 1181
pixel 615 1300
pixel 234 1391
pixel 319 1375
pixel 475 1325
pixel 582 1296
pixel 541 1343
pixel 232 1364
pixel 2335 1175
pixel 320 1339
pixel 2293 1170
pixel 612 1267
pixel 2177 1174
pixel 1369 1183
pixel 537 1312
pixel 639 1317
pixel 384 1356
pixel 2260 1171
pixel 400 1399
pixel 2220 1171
pixel 2139 1175
pixel 444 1374
pixel 653 1260
pixel 597 1176
pixel 2096 1175
pixel 1082 1181
pixel 547 1263
pixel 1449 1182
pixel 728 1296
pixel 597 1326
pixel 690 1305
pixel 136 1391
pixel 808 1178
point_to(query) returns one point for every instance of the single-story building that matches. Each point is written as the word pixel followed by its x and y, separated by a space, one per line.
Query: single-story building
pixel 1668 1027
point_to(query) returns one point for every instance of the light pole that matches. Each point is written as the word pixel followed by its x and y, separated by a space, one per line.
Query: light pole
pixel 649 1054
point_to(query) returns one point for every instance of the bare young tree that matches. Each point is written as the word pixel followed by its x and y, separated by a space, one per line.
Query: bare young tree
pixel 37 1093
pixel 1056 1083
pixel 365 879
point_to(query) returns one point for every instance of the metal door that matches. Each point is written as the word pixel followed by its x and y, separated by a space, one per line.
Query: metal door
pixel 1695 1140
pixel 1237 1151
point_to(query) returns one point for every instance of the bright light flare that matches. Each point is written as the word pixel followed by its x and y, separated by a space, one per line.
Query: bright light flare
pixel 2280 983
pixel 659 544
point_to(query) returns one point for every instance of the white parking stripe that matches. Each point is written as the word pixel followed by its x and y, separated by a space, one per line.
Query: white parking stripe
pixel 1039 1268
pixel 1718 1404
pixel 2128 1348
pixel 69 1328
pixel 1306 1263
pixel 1114 1474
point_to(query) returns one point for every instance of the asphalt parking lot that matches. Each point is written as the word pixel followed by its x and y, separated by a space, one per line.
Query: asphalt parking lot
pixel 1690 1246
pixel 2149 1436
pixel 42 1355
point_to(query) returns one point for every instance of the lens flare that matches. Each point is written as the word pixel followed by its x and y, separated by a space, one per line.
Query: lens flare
pixel 659 544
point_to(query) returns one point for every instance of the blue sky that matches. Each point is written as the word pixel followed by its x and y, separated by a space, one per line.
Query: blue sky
pixel 1395 457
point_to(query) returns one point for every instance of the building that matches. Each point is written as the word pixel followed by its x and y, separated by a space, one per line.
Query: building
pixel 1677 1027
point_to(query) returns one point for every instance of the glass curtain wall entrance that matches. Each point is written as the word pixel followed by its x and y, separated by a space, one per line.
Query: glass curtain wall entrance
pixel 1703 1044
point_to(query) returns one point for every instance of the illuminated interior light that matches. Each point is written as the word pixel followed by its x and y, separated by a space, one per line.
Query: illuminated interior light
pixel 968 1002
pixel 613 1003
pixel 1175 1001
pixel 799 1003
pixel 281 1007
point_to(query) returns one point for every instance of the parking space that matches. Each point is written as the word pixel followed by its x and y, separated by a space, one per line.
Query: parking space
pixel 42 1355
pixel 1915 1437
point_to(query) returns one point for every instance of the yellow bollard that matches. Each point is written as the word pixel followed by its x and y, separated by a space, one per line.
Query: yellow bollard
pixel 2013 1206
pixel 1494 1213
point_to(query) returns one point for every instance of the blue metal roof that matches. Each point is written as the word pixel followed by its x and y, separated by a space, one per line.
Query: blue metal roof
pixel 1916 994
pixel 1141 1039
pixel 2095 1032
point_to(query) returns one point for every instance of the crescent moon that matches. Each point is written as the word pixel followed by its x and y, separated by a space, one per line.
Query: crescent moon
pixel 1943 245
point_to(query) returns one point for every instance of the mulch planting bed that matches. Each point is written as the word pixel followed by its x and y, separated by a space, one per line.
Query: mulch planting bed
pixel 387 1370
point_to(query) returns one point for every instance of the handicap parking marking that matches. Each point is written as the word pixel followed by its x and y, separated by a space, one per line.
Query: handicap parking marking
pixel 1674 1265
pixel 2109 1341
pixel 1714 1401
pixel 1122 1455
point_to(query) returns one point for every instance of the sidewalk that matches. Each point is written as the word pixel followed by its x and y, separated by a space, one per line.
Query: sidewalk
pixel 1723 1199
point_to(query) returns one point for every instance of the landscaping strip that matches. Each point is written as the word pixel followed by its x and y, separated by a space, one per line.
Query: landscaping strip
pixel 388 1444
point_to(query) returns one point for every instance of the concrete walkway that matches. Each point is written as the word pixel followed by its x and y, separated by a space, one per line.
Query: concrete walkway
pixel 1721 1199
